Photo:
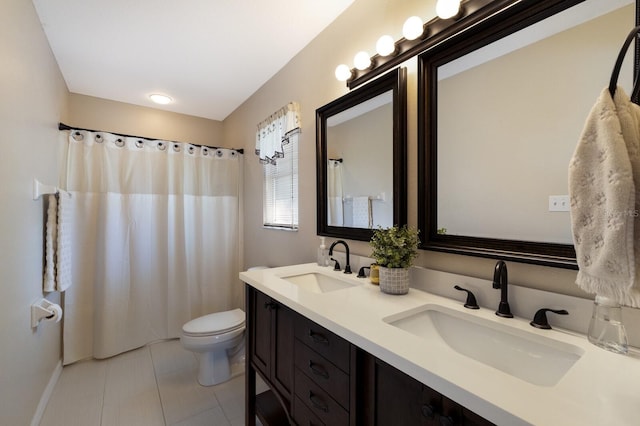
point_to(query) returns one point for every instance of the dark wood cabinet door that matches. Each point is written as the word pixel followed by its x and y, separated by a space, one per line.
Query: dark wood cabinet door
pixel 282 339
pixel 260 331
pixel 398 398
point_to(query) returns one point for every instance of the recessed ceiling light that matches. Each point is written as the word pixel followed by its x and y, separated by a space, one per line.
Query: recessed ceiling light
pixel 160 99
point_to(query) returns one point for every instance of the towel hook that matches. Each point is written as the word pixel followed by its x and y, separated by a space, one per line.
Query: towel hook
pixel 616 69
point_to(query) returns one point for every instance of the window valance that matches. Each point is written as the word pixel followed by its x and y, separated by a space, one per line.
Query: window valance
pixel 275 131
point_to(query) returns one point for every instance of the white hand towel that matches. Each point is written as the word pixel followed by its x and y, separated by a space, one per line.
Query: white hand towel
pixel 361 212
pixel 603 203
pixel 63 252
pixel 51 231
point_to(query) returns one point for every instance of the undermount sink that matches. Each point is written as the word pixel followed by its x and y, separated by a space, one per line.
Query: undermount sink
pixel 536 359
pixel 317 282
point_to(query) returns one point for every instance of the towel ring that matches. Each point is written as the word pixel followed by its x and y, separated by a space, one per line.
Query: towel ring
pixel 616 69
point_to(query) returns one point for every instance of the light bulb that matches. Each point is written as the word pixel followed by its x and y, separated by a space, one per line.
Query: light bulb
pixel 446 9
pixel 385 45
pixel 362 60
pixel 412 28
pixel 160 99
pixel 343 72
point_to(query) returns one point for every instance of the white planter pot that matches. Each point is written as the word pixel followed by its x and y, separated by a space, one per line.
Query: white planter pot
pixel 394 280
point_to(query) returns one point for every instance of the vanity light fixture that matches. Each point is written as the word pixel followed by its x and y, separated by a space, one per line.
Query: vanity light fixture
pixel 413 28
pixel 362 61
pixel 419 36
pixel 160 99
pixel 446 9
pixel 343 72
pixel 385 45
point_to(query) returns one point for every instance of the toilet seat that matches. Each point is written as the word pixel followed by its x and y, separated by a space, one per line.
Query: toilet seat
pixel 215 324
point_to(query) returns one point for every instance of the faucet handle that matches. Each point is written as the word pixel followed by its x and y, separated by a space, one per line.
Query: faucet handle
pixel 540 318
pixel 337 265
pixel 471 302
pixel 361 273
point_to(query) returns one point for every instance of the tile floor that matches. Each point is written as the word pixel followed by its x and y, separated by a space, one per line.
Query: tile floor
pixel 151 386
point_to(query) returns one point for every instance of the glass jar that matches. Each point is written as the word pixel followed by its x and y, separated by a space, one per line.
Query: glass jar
pixel 606 329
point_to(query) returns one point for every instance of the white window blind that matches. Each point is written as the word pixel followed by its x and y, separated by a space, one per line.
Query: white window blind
pixel 277 149
pixel 280 194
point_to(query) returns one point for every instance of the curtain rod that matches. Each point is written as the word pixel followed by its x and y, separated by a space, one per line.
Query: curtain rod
pixel 62 126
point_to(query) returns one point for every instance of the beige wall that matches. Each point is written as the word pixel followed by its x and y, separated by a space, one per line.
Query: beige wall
pixel 111 116
pixel 34 98
pixel 309 79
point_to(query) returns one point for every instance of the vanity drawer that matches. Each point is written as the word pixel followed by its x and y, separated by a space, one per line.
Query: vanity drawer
pixel 303 416
pixel 326 375
pixel 318 401
pixel 324 342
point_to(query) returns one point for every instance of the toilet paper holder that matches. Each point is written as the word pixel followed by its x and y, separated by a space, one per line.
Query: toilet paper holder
pixel 45 310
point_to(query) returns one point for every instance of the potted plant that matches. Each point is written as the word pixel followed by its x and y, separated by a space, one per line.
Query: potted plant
pixel 394 250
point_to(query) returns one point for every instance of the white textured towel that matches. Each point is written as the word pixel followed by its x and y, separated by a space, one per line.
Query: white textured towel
pixel 603 176
pixel 57 267
pixel 362 217
pixel 50 241
pixel 63 252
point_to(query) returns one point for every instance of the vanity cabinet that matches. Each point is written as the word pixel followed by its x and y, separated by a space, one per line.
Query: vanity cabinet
pixel 270 344
pixel 401 400
pixel 318 378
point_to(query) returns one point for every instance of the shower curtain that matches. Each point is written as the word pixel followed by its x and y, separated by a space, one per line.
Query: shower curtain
pixel 156 240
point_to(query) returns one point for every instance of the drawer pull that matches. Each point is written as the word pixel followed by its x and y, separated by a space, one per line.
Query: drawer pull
pixel 318 370
pixel 318 338
pixel 270 305
pixel 318 403
pixel 447 421
pixel 428 411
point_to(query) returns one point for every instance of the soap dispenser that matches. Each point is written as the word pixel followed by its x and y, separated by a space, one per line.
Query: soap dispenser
pixel 323 257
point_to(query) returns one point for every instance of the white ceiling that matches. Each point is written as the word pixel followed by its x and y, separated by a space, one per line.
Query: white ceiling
pixel 208 55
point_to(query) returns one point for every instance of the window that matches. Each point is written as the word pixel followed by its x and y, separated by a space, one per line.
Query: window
pixel 277 148
pixel 280 192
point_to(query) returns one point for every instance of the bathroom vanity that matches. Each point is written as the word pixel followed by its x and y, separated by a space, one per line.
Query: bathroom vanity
pixel 335 350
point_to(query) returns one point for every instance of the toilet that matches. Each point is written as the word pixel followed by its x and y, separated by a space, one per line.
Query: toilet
pixel 219 341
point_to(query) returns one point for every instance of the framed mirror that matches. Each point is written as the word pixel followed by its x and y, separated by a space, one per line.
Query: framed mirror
pixel 501 109
pixel 361 159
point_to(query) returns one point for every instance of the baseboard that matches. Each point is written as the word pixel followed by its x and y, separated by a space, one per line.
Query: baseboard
pixel 48 391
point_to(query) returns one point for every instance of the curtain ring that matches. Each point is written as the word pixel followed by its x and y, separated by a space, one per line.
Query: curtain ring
pixel 205 151
pixel 119 142
pixel 99 138
pixel 162 146
pixel 176 147
pixel 139 143
pixel 77 136
pixel 191 149
pixel 233 153
pixel 219 153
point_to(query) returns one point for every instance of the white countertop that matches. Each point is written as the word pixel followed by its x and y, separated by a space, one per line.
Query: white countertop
pixel 601 388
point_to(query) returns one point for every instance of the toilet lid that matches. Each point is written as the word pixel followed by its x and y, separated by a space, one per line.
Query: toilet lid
pixel 217 323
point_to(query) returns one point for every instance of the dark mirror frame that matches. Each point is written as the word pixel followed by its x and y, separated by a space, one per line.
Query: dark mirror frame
pixel 396 82
pixel 510 20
